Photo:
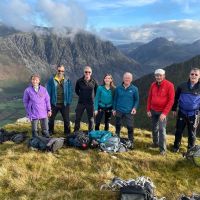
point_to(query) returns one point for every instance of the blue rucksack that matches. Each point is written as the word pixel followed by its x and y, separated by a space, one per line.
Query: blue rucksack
pixel 100 136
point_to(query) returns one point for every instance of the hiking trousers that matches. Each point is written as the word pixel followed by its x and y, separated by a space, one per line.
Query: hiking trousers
pixel 128 118
pixel 182 121
pixel 107 112
pixel 44 127
pixel 90 114
pixel 64 110
pixel 158 130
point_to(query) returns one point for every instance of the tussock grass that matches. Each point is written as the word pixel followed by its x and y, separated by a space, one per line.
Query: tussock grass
pixel 74 174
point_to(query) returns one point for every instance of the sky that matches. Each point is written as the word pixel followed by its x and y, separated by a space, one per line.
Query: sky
pixel 120 21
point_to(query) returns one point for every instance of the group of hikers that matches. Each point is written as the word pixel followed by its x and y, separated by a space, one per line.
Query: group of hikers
pixel 42 104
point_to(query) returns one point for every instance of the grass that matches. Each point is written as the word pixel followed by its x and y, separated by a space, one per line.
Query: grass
pixel 75 174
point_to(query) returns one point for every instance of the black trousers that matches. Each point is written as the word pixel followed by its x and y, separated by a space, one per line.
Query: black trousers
pixel 79 113
pixel 64 110
pixel 128 118
pixel 107 112
pixel 182 121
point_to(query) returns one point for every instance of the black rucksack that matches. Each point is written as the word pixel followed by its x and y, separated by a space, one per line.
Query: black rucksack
pixel 79 139
pixel 46 144
pixel 193 197
pixel 130 192
pixel 14 136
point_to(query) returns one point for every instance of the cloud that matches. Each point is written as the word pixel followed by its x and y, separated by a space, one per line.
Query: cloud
pixel 188 6
pixel 183 31
pixel 16 13
pixel 23 15
pixel 60 14
pixel 104 4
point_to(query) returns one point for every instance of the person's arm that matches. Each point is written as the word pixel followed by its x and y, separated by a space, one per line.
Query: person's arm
pixel 70 91
pixel 96 99
pixel 136 101
pixel 149 101
pixel 26 100
pixel 77 88
pixel 115 101
pixel 171 94
pixel 177 95
pixel 48 104
pixel 95 87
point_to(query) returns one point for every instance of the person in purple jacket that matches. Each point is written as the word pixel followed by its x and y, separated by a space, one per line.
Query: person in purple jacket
pixel 37 104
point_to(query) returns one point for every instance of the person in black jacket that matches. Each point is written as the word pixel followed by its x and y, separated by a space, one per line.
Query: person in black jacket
pixel 85 89
pixel 187 98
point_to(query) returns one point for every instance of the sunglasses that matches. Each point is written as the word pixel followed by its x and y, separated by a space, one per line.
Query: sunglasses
pixel 87 72
pixel 192 74
pixel 61 71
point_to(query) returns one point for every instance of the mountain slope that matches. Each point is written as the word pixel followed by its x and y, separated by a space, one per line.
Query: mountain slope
pixel 160 53
pixel 24 53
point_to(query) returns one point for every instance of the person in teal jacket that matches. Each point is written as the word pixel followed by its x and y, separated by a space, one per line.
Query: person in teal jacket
pixel 125 104
pixel 59 88
pixel 103 102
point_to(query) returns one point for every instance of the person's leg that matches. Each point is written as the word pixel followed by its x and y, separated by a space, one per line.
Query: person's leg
pixel 118 119
pixel 65 115
pixel 180 125
pixel 79 112
pixel 191 132
pixel 162 135
pixel 34 125
pixel 129 119
pixel 90 115
pixel 155 127
pixel 52 119
pixel 98 119
pixel 44 127
pixel 108 113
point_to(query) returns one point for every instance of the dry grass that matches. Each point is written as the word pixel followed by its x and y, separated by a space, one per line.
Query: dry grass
pixel 75 174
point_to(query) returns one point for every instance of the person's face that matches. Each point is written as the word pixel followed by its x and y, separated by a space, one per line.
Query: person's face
pixel 87 73
pixel 61 71
pixel 35 81
pixel 127 79
pixel 194 76
pixel 108 80
pixel 159 77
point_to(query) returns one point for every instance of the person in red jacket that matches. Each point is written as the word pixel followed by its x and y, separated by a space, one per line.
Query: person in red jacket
pixel 159 103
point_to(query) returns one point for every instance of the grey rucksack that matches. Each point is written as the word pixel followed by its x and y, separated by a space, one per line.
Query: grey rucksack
pixel 113 145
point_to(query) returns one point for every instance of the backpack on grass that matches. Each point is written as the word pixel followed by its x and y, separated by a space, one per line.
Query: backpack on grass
pixel 17 137
pixel 141 188
pixel 194 155
pixel 113 145
pixel 46 144
pixel 78 139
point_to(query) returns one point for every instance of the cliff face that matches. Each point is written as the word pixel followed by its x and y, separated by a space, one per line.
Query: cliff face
pixel 21 54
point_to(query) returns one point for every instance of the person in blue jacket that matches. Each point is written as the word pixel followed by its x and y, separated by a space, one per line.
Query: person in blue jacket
pixel 187 99
pixel 125 104
pixel 59 88
pixel 103 102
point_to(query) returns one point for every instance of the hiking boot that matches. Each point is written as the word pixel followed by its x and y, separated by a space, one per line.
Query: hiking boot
pixel 154 145
pixel 163 153
pixel 131 146
pixel 175 150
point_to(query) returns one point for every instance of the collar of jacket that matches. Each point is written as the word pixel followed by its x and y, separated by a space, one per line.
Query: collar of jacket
pixel 57 79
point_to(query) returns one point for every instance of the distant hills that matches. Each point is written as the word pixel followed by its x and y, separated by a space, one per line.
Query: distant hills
pixel 160 53
pixel 21 54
